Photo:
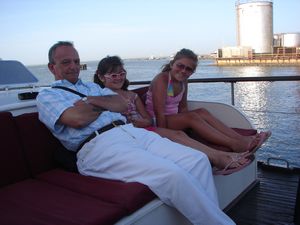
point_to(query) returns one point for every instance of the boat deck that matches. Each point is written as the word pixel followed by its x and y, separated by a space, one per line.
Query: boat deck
pixel 272 201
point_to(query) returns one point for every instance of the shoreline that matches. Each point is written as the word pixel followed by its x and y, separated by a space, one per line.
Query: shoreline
pixel 273 61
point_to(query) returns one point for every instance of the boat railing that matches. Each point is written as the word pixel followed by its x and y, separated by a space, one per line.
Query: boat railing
pixel 232 81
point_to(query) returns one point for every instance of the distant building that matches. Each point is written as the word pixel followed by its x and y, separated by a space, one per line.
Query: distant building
pixel 287 44
pixel 235 52
pixel 256 43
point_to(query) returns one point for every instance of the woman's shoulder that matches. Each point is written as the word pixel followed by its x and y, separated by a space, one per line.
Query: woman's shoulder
pixel 160 79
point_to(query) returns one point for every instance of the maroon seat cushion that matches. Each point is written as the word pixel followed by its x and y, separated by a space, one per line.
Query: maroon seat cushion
pixel 35 202
pixel 141 92
pixel 130 196
pixel 13 167
pixel 38 143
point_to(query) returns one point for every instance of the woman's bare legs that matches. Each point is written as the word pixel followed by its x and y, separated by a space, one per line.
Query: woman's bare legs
pixel 218 158
pixel 211 129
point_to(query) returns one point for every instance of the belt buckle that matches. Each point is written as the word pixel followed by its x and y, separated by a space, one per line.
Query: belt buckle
pixel 115 125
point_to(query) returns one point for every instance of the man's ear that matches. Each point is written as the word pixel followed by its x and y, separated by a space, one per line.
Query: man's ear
pixel 50 67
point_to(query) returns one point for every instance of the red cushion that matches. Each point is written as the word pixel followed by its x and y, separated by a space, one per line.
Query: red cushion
pixel 142 91
pixel 13 167
pixel 35 202
pixel 38 143
pixel 130 196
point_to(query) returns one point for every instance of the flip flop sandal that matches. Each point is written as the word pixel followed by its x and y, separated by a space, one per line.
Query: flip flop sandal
pixel 263 137
pixel 227 170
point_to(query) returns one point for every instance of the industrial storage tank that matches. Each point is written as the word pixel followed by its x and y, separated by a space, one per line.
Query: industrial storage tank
pixel 289 40
pixel 255 25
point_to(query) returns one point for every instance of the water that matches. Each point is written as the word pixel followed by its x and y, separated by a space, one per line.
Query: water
pixel 271 106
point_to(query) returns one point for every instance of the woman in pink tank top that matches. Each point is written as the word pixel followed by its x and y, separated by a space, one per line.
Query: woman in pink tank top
pixel 171 101
pixel 167 103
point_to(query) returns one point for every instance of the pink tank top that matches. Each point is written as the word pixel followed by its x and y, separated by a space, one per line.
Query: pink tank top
pixel 172 102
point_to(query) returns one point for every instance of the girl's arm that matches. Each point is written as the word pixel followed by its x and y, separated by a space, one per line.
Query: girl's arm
pixel 159 94
pixel 140 107
pixel 146 119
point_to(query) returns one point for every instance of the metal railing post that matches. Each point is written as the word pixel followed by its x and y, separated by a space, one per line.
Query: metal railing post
pixel 232 93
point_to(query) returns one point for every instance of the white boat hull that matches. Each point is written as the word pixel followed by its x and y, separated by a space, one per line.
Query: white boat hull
pixel 229 188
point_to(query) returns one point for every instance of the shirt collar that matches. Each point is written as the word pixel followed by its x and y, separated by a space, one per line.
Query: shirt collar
pixel 67 83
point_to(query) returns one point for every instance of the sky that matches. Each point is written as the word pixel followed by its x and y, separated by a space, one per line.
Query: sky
pixel 128 28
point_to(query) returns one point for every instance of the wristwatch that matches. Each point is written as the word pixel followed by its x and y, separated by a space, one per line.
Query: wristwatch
pixel 85 99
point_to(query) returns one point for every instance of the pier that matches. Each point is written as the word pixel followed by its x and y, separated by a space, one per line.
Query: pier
pixel 261 59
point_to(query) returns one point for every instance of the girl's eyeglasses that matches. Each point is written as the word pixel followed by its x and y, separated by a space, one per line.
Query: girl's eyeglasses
pixel 184 67
pixel 114 76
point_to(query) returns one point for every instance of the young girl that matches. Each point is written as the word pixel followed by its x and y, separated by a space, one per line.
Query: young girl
pixel 111 74
pixel 167 103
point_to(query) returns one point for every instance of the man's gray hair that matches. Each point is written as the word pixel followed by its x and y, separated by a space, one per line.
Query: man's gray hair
pixel 55 46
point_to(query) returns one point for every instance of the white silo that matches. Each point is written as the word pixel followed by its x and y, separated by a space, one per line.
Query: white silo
pixel 255 25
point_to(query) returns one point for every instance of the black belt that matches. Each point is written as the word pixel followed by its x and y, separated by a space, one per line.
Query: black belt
pixel 101 130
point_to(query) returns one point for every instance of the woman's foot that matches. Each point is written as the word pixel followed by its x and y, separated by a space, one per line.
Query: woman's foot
pixel 229 160
pixel 262 138
pixel 251 143
pixel 245 143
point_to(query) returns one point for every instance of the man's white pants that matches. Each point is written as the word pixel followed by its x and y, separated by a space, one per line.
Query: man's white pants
pixel 178 175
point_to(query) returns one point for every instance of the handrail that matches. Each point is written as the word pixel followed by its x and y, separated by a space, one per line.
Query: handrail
pixel 231 80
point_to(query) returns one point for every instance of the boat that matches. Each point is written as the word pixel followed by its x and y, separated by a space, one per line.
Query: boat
pixel 18 90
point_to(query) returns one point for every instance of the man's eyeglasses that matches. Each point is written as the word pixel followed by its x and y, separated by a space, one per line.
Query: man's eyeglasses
pixel 114 76
pixel 184 67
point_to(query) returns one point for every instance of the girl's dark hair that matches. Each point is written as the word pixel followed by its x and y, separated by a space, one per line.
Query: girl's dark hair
pixel 107 65
pixel 183 53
